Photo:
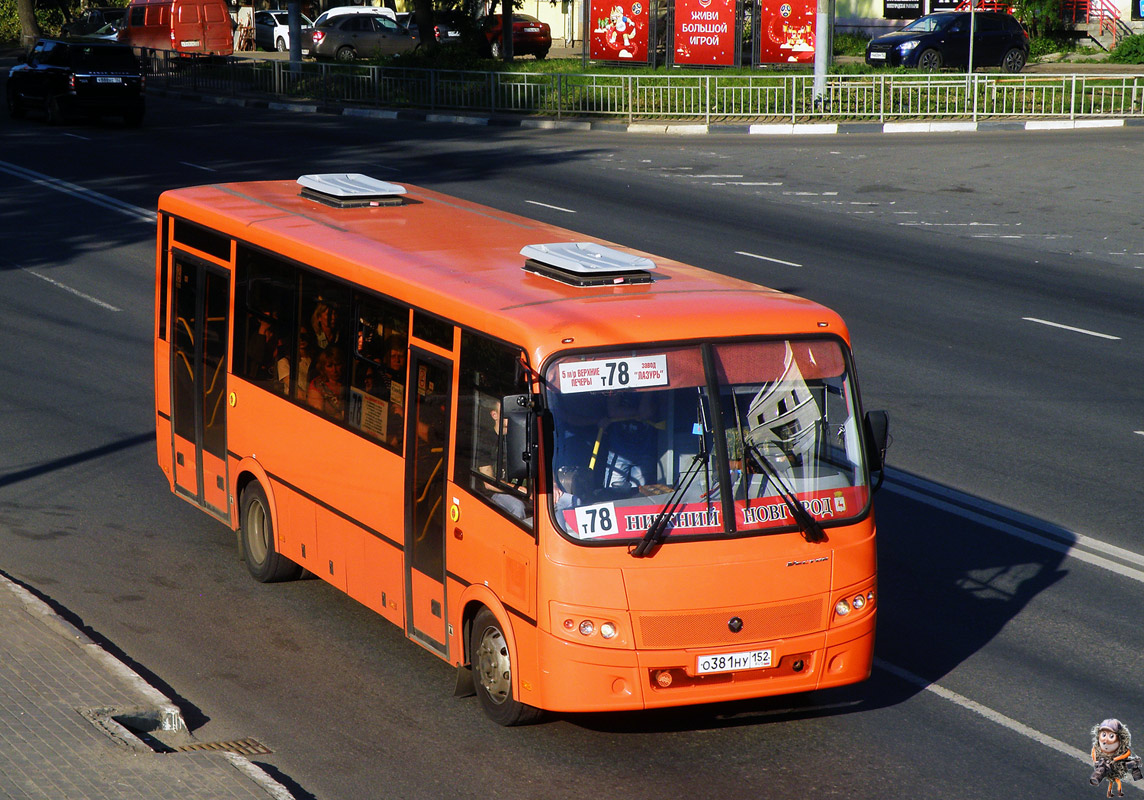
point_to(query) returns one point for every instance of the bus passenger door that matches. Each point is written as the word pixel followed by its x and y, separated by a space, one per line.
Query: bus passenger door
pixel 426 469
pixel 198 382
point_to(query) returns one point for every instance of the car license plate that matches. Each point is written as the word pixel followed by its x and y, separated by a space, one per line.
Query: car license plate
pixel 532 30
pixel 877 56
pixel 105 79
pixel 732 662
pixel 190 43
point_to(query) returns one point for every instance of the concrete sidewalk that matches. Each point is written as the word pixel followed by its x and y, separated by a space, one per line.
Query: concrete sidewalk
pixel 61 696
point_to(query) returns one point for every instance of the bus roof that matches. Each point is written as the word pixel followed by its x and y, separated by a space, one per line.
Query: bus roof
pixel 463 261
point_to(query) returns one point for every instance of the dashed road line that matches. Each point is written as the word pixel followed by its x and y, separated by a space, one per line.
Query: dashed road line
pixel 1085 331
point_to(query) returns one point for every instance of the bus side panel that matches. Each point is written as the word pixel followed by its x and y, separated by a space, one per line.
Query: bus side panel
pixel 296 528
pixel 333 533
pixel 482 546
pixel 374 576
pixel 163 446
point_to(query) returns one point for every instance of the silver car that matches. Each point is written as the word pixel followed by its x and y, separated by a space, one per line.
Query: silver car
pixel 351 36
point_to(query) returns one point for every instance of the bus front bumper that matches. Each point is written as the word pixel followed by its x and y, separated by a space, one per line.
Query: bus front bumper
pixel 578 678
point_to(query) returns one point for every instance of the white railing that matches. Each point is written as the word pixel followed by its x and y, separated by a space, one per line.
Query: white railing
pixel 710 98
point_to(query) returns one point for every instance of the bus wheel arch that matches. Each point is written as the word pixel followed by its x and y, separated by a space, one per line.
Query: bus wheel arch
pixel 256 537
pixel 493 658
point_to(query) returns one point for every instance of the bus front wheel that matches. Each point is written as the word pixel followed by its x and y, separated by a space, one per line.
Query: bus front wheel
pixel 256 540
pixel 492 673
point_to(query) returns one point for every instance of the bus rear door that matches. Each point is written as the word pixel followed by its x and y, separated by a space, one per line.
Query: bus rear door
pixel 198 382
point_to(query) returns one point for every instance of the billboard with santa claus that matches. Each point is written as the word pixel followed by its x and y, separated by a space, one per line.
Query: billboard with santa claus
pixel 618 30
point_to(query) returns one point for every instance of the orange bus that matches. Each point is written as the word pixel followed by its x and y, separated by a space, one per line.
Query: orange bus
pixel 590 478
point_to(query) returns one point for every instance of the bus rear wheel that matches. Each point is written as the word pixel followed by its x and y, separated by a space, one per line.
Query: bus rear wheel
pixel 256 540
pixel 492 673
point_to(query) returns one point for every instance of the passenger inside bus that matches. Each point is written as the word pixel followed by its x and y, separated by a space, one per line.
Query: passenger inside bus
pixel 327 390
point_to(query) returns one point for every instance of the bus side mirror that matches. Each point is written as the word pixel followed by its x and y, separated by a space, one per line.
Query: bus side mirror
pixel 877 436
pixel 516 410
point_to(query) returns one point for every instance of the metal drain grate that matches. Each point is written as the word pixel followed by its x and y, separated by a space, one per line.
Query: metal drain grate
pixel 244 747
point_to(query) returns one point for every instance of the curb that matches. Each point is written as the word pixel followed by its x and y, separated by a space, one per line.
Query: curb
pixel 164 714
pixel 660 128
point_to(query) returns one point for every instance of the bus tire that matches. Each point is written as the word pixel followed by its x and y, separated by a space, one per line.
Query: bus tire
pixel 492 673
pixel 256 540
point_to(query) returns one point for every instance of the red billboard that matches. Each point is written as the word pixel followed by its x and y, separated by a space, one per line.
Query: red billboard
pixel 618 30
pixel 704 32
pixel 786 31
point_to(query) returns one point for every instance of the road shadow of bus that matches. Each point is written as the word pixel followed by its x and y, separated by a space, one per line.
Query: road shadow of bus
pixel 953 571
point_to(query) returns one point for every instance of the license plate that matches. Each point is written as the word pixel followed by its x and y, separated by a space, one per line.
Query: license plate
pixel 305 52
pixel 103 79
pixel 877 56
pixel 732 662
pixel 190 43
pixel 532 30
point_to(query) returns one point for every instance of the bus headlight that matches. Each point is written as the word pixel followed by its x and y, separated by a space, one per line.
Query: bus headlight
pixel 595 626
pixel 842 608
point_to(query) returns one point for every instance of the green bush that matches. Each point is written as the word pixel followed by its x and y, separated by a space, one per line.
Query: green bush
pixel 850 44
pixel 1130 50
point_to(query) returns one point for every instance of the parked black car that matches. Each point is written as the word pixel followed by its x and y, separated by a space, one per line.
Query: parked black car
pixel 92 20
pixel 61 77
pixel 942 40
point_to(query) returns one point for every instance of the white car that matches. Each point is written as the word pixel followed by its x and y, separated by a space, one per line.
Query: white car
pixel 272 29
pixel 339 10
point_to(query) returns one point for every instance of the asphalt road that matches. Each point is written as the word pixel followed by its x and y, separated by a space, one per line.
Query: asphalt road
pixel 1009 537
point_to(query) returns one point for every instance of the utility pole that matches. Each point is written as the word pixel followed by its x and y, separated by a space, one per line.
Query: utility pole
pixel 823 46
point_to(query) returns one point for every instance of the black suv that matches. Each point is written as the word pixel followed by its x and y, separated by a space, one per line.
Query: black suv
pixel 941 40
pixel 62 77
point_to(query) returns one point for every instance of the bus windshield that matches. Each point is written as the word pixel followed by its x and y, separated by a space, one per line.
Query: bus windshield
pixel 705 441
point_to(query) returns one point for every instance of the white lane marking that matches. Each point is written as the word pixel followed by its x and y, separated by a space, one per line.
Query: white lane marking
pixel 198 166
pixel 766 258
pixel 985 711
pixel 136 213
pixel 1023 527
pixel 1071 328
pixel 76 292
pixel 77 136
pixel 1016 524
pixel 554 208
pixel 1139 432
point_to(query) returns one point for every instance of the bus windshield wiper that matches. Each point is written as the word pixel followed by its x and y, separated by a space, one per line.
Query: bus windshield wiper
pixel 660 522
pixel 655 530
pixel 811 529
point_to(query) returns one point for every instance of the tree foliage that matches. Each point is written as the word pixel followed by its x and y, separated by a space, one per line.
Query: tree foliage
pixel 1040 17
pixel 1130 50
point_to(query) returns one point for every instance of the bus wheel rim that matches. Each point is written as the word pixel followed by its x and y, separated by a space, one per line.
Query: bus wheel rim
pixel 258 540
pixel 493 668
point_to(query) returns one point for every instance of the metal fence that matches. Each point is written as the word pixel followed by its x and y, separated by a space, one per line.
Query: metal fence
pixel 710 98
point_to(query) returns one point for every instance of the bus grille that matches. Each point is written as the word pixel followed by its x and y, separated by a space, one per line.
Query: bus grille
pixel 710 629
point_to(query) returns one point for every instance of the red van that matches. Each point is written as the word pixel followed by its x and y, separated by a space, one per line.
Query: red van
pixel 185 26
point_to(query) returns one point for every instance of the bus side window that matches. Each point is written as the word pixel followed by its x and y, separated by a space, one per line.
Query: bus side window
pixel 378 372
pixel 489 371
pixel 264 305
pixel 323 333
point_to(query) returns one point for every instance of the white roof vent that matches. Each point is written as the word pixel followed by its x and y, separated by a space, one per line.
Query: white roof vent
pixel 586 264
pixel 350 190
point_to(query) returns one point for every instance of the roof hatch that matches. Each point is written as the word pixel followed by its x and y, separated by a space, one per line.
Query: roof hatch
pixel 350 190
pixel 586 264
